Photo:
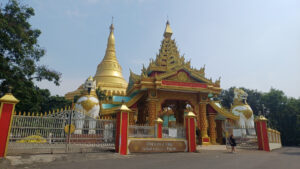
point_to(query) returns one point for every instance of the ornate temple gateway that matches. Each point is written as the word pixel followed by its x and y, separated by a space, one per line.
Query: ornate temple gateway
pixel 159 110
pixel 167 88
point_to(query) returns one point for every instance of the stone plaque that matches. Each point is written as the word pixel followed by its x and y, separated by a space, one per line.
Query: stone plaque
pixel 156 145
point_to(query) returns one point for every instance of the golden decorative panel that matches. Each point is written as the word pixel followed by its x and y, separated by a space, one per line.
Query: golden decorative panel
pixel 88 104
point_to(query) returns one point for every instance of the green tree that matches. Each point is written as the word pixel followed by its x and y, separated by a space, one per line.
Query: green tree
pixel 283 115
pixel 19 58
pixel 226 97
pixel 298 127
pixel 53 102
pixel 275 101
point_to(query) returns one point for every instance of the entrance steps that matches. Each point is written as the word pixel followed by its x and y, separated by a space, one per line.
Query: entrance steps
pixel 211 147
pixel 248 142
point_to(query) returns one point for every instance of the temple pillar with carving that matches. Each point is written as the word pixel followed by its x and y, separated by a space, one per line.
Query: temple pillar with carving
pixel 212 128
pixel 152 111
pixel 205 140
pixel 152 106
pixel 203 124
pixel 131 118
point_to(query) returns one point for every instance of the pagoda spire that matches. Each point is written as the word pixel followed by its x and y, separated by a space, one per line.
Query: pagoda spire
pixel 168 31
pixel 109 72
pixel 168 57
pixel 110 53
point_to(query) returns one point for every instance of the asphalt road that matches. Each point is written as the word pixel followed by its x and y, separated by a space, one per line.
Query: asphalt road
pixel 285 158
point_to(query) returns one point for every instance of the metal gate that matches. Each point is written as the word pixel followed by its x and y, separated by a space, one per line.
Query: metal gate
pixel 49 133
pixel 245 138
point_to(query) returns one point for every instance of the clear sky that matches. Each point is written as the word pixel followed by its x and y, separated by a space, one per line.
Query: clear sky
pixel 249 43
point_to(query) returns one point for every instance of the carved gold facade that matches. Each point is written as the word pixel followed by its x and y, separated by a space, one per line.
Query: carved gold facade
pixel 169 65
pixel 171 79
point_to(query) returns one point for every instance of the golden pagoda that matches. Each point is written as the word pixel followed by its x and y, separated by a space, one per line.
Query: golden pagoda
pixel 108 76
pixel 109 72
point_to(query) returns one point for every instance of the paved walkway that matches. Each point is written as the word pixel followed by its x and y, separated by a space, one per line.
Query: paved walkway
pixel 285 158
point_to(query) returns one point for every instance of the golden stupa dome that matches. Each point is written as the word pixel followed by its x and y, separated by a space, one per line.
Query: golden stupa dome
pixel 109 72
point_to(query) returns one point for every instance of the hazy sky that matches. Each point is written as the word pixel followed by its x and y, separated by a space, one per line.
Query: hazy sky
pixel 253 44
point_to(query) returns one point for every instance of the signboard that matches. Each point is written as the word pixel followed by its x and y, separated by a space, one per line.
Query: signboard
pixel 156 145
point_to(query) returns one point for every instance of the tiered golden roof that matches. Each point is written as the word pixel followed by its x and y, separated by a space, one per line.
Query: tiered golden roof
pixel 168 57
pixel 167 62
pixel 109 72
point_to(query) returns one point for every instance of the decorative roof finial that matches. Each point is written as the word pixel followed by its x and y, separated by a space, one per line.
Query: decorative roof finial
pixel 168 31
pixel 168 23
pixel 112 24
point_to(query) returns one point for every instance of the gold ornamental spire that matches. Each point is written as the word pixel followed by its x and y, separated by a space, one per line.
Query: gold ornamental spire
pixel 109 72
pixel 111 50
pixel 168 56
pixel 168 31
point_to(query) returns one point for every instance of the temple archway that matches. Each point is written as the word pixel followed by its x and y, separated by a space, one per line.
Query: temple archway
pixel 172 112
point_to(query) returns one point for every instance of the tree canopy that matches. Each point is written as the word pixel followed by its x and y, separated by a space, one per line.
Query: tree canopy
pixel 20 54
